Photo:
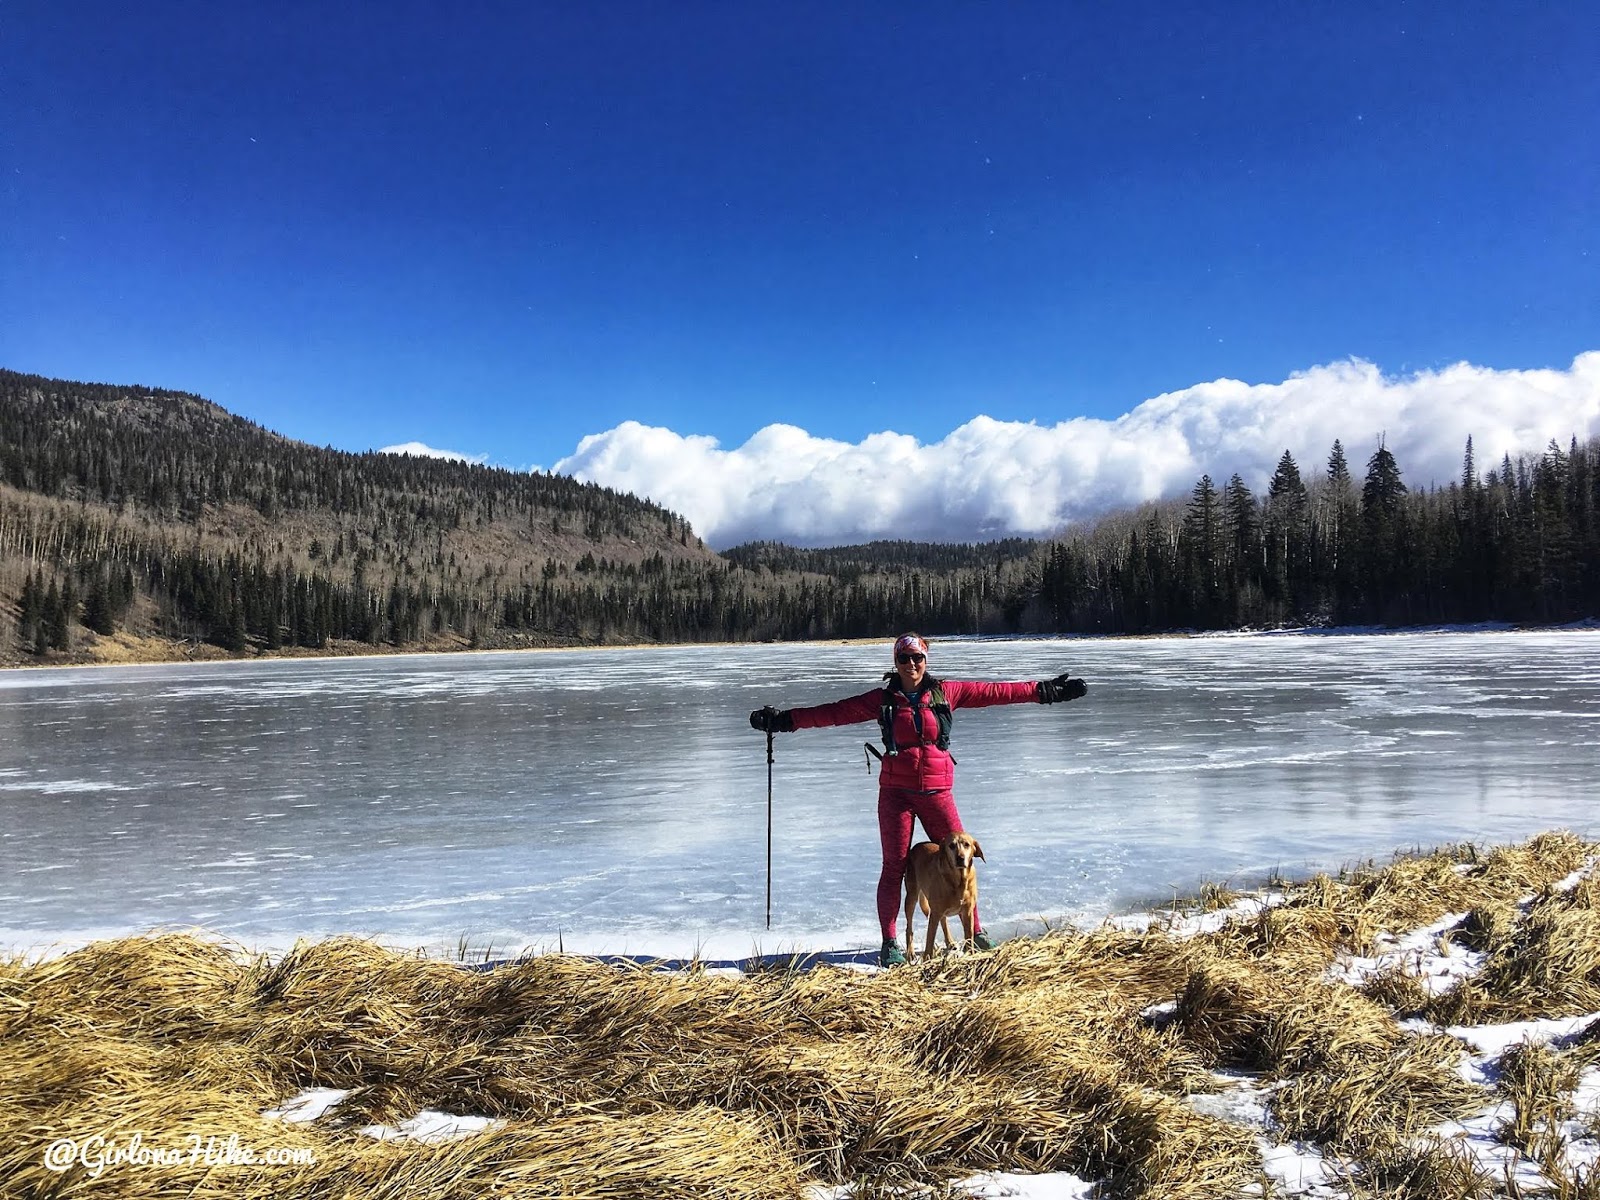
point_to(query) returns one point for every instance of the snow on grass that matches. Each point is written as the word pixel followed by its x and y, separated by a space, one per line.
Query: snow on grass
pixel 993 1185
pixel 1424 953
pixel 1427 953
pixel 1298 1169
pixel 428 1126
pixel 1481 1134
pixel 1183 924
pixel 1294 1168
pixel 308 1105
pixel 1562 1127
pixel 1486 1044
pixel 1577 877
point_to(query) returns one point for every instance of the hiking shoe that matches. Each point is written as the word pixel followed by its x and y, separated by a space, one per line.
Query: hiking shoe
pixel 891 955
pixel 982 941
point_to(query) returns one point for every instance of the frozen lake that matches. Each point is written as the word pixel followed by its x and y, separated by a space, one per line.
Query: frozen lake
pixel 616 799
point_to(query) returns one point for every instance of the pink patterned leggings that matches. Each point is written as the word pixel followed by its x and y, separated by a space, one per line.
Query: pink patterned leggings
pixel 896 808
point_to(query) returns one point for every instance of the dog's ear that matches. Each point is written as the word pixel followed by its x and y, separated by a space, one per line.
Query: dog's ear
pixel 977 849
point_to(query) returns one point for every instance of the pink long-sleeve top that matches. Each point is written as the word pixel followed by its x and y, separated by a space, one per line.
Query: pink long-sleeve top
pixel 920 764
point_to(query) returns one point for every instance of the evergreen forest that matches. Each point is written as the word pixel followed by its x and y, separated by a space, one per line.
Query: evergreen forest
pixel 156 521
pixel 1517 544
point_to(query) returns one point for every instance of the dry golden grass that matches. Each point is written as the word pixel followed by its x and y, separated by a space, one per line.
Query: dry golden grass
pixel 621 1083
pixel 1428 1168
pixel 1546 964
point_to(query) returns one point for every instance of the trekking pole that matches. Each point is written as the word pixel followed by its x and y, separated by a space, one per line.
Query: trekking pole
pixel 770 711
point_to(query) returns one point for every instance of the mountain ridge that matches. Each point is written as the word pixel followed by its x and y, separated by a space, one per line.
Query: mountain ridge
pixel 140 522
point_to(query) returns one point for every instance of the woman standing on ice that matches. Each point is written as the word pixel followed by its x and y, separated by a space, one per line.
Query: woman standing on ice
pixel 917 778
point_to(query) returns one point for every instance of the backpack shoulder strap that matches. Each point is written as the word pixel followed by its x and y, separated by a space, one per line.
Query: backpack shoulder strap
pixel 942 713
pixel 886 720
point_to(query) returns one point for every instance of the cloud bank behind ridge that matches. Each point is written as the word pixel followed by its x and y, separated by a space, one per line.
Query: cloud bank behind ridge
pixel 423 450
pixel 990 479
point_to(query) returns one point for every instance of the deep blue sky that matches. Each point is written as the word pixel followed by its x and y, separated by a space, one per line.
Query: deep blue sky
pixel 499 227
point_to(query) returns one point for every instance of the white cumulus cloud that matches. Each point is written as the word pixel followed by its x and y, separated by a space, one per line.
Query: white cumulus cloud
pixel 422 450
pixel 991 478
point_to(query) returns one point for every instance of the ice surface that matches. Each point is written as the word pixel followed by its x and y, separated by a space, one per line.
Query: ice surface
pixel 615 800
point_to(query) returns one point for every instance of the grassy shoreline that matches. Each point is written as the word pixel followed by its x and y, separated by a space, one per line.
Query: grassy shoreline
pixel 1081 1051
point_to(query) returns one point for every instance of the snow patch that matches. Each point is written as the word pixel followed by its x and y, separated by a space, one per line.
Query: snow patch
pixel 308 1105
pixel 428 1126
pixel 431 1127
pixel 1425 953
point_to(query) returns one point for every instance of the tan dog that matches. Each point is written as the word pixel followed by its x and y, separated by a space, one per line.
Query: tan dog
pixel 941 878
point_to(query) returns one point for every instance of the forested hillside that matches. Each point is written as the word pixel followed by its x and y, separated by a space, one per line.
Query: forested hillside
pixel 161 510
pixel 1519 543
pixel 131 514
pixel 138 523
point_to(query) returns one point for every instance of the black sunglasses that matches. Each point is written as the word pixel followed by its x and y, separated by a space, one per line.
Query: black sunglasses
pixel 910 658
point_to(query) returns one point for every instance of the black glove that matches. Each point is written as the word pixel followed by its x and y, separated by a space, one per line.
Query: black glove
pixel 771 720
pixel 1054 691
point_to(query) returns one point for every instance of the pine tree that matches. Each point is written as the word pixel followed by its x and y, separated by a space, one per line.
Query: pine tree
pixel 1287 521
pixel 30 613
pixel 56 626
pixel 1381 544
pixel 272 626
pixel 233 635
pixel 1581 516
pixel 1552 477
pixel 1338 468
pixel 1337 570
pixel 1472 571
pixel 1242 536
pixel 97 612
pixel 1286 486
pixel 1203 554
pixel 1381 492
